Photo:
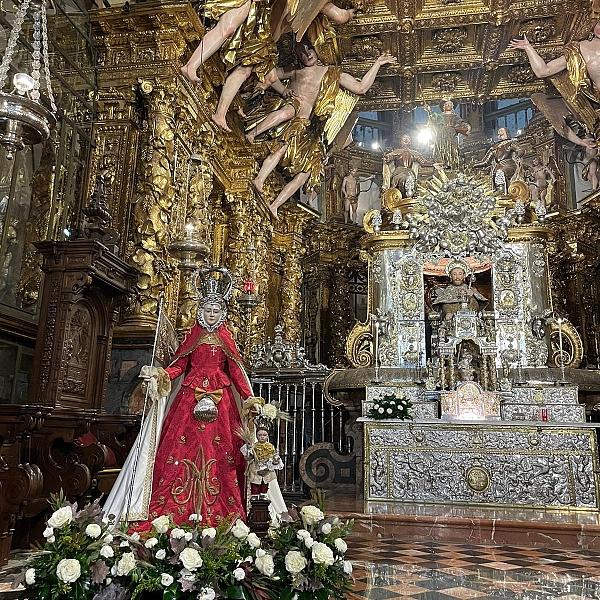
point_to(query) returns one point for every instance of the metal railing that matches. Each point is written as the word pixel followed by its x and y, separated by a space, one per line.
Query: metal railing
pixel 282 376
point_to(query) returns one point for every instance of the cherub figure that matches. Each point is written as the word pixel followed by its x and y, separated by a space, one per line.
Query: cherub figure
pixel 302 152
pixel 540 178
pixel 350 192
pixel 262 461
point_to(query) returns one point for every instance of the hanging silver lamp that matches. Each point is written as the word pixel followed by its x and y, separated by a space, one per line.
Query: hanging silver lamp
pixel 24 121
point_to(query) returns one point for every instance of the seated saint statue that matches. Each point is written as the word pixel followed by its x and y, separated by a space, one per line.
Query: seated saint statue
pixel 450 299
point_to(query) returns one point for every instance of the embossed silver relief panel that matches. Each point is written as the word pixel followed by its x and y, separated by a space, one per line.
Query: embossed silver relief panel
pixel 482 464
pixel 547 395
pixel 557 413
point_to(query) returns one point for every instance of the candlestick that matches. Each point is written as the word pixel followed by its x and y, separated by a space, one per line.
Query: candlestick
pixel 376 351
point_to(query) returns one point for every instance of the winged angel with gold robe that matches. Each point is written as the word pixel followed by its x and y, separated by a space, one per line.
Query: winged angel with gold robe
pixel 246 35
pixel 576 76
pixel 323 98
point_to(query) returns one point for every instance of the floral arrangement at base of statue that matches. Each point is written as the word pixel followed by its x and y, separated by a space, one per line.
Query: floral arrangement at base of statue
pixel 309 557
pixel 390 406
pixel 86 558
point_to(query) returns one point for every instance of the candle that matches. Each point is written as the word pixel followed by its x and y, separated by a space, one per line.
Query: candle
pixel 560 343
pixel 250 287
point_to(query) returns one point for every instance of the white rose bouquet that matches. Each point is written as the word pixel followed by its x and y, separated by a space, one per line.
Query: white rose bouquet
pixel 76 558
pixel 390 406
pixel 191 561
pixel 309 556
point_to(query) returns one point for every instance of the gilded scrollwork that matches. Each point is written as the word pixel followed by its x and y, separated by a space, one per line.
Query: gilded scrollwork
pixel 450 40
pixel 359 346
pixel 572 346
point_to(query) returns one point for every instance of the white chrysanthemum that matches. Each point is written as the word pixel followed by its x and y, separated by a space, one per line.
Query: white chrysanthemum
pixel 302 534
pixel 177 533
pixel 340 545
pixel 195 518
pixel 207 593
pixel 269 411
pixel 151 542
pixel 126 564
pixel 94 531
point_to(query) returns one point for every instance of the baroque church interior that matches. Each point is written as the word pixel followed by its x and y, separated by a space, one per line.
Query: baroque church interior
pixel 411 213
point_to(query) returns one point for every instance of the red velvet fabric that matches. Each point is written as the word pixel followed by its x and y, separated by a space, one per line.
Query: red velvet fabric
pixel 199 467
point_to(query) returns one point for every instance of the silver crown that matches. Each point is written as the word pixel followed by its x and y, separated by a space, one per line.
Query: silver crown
pixel 214 281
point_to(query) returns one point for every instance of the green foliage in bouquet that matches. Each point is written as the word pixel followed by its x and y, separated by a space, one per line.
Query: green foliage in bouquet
pixel 390 407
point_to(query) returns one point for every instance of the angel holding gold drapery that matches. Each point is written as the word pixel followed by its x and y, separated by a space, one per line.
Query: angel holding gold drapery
pixel 319 108
pixel 246 34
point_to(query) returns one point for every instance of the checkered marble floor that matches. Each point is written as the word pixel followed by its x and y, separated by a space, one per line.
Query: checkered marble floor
pixel 389 569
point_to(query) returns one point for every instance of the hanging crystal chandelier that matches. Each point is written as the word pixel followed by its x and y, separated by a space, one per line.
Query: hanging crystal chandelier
pixel 24 121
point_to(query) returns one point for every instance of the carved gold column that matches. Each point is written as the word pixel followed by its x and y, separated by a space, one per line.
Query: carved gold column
pixel 289 241
pixel 152 219
pixel 247 238
pixel 147 128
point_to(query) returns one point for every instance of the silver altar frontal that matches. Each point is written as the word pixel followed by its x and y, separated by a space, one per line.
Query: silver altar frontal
pixel 476 462
pixel 461 308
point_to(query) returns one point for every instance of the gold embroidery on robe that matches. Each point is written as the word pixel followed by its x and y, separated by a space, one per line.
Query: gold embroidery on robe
pixel 198 486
